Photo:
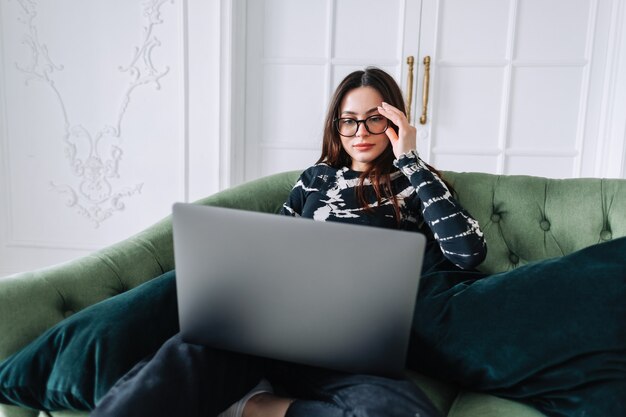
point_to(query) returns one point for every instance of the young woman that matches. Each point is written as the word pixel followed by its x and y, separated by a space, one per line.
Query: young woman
pixel 465 329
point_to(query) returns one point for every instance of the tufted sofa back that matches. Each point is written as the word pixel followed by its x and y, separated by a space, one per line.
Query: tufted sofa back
pixel 530 218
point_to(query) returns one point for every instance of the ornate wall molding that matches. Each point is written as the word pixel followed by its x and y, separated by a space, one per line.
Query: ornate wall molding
pixel 93 194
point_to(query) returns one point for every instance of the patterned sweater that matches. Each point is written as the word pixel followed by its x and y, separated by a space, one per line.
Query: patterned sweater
pixel 325 193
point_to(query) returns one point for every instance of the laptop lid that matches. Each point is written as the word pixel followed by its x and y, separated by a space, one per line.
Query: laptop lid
pixel 325 294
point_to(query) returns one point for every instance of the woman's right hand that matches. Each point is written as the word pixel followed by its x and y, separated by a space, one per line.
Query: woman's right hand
pixel 405 140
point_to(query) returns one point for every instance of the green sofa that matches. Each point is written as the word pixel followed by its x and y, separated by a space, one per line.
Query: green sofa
pixel 524 219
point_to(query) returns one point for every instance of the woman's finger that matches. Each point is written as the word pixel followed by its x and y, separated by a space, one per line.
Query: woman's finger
pixel 394 114
pixel 393 109
pixel 391 134
pixel 395 118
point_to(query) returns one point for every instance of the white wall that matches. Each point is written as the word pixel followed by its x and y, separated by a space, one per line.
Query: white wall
pixel 169 142
pixel 109 113
pixel 611 159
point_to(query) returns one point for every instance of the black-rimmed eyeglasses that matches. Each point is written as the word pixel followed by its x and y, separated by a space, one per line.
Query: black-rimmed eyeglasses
pixel 375 124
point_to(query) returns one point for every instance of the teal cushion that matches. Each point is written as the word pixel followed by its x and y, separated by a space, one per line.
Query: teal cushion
pixel 549 333
pixel 74 363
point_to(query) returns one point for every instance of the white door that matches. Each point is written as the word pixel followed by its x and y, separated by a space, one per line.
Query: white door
pixel 297 53
pixel 516 86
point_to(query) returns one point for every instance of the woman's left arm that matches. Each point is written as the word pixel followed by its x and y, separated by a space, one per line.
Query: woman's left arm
pixel 457 233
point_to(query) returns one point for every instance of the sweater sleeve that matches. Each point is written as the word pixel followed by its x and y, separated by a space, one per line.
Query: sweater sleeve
pixel 458 234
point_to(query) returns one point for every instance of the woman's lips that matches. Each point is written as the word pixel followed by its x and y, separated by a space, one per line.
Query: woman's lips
pixel 363 146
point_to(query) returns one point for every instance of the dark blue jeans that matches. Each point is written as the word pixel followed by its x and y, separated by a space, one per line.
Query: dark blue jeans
pixel 190 380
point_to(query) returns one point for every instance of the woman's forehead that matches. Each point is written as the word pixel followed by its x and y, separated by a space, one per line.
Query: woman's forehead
pixel 361 100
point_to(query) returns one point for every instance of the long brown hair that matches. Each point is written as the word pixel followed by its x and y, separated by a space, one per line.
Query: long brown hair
pixel 333 154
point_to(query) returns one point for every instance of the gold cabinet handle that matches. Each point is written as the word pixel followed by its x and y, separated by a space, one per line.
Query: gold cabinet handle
pixel 426 87
pixel 409 95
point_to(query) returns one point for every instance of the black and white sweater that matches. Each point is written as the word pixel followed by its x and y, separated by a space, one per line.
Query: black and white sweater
pixel 325 193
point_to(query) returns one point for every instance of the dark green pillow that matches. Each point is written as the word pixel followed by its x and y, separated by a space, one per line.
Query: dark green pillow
pixel 74 363
pixel 549 333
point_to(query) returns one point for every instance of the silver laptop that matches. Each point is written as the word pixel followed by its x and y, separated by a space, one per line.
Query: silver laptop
pixel 332 295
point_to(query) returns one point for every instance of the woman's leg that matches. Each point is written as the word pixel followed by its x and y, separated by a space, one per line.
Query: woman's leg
pixel 182 379
pixel 320 392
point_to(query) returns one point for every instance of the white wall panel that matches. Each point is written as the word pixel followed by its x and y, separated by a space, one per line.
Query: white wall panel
pixel 550 30
pixel 468 106
pixel 69 137
pixel 291 114
pixel 610 159
pixel 280 159
pixel 368 30
pixel 471 163
pixel 468 33
pixel 298 29
pixel 545 104
pixel 95 138
pixel 542 166
pixel 553 57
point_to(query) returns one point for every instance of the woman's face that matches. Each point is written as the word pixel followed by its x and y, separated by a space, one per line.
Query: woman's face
pixel 364 147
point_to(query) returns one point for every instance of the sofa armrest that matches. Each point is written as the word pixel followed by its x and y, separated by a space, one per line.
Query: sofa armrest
pixel 32 302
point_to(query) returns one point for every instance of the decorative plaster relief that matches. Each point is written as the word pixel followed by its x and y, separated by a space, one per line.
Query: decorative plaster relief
pixel 93 195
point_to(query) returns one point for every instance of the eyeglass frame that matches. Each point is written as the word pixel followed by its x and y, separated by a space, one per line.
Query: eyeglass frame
pixel 358 122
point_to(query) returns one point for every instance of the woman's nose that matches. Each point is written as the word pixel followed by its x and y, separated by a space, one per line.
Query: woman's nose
pixel 361 130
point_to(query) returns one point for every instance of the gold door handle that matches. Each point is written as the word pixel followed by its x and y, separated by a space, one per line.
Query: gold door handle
pixel 409 95
pixel 426 87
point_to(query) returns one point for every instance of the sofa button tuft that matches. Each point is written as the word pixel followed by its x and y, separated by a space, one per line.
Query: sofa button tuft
pixel 606 235
pixel 545 225
pixel 495 217
pixel 513 258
